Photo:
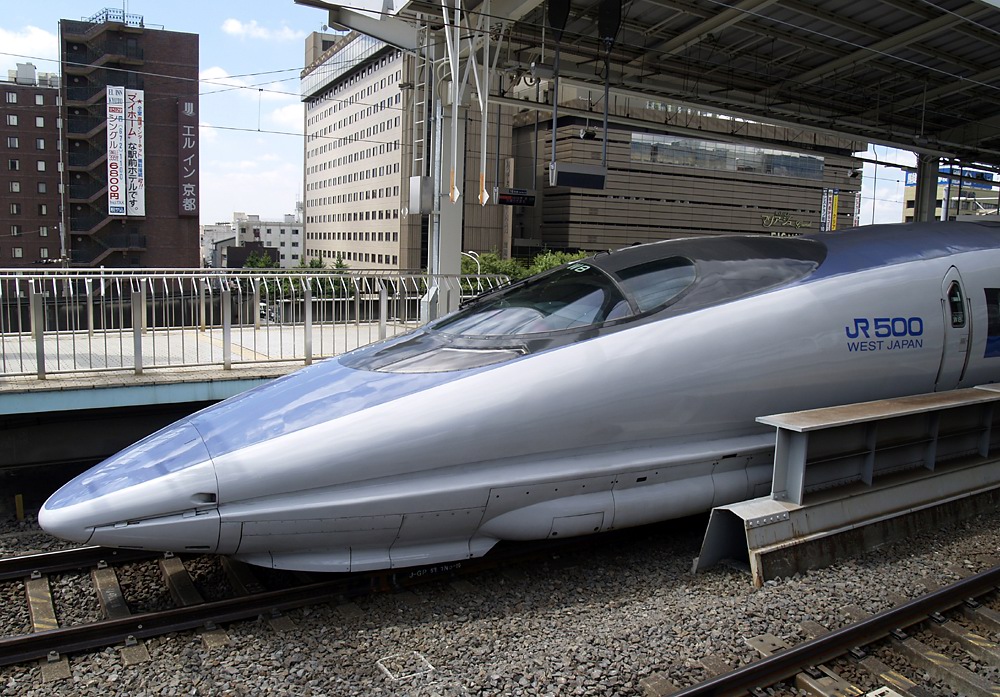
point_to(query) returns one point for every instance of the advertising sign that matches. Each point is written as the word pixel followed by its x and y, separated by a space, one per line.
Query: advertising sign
pixel 188 193
pixel 116 150
pixel 984 180
pixel 135 153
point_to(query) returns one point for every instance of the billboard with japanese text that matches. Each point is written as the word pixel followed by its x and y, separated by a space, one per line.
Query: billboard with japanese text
pixel 116 150
pixel 135 153
pixel 188 192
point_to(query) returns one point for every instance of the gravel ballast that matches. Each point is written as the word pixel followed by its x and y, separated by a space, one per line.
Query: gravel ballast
pixel 594 626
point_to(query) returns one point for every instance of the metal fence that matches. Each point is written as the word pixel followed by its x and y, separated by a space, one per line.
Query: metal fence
pixel 70 321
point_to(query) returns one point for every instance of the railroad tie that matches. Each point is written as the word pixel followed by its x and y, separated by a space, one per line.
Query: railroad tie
pixel 813 629
pixel 43 618
pixel 112 600
pixel 986 616
pixel 657 685
pixel 942 668
pixel 184 593
pixel 244 582
pixel 816 680
pixel 972 609
pixel 714 665
pixel 939 666
pixel 974 644
pixel 879 670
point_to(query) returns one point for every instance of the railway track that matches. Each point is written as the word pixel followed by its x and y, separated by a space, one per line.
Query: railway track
pixel 941 643
pixel 50 642
pixel 921 647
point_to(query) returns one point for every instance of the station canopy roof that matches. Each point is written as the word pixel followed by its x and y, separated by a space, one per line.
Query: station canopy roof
pixel 920 75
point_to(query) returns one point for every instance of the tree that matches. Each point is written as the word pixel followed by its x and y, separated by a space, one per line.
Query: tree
pixel 548 259
pixel 311 264
pixel 258 260
pixel 491 263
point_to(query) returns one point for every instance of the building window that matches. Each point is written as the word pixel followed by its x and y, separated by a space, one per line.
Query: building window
pixel 43 188
pixel 40 99
pixel 13 165
pixel 15 187
pixel 43 231
pixel 12 142
pixel 15 230
pixel 40 143
pixel 12 97
pixel 43 252
pixel 11 119
pixel 18 252
pixel 40 121
pixel 41 165
pixel 15 209
pixel 43 209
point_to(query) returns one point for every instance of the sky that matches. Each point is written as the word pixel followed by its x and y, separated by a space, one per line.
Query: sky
pixel 250 57
pixel 251 53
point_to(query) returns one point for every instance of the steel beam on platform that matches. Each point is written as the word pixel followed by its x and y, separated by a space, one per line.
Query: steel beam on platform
pixel 851 477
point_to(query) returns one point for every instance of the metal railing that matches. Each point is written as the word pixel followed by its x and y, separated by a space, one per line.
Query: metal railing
pixel 57 321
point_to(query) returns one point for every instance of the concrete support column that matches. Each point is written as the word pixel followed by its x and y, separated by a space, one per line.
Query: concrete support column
pixel 925 207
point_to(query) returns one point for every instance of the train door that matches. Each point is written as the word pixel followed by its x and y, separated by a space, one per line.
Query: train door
pixel 957 330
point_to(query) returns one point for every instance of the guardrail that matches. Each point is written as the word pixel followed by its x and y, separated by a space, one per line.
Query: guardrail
pixel 71 321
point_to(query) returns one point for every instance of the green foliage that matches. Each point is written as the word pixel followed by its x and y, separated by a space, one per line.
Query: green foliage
pixel 256 260
pixel 311 264
pixel 547 260
pixel 491 263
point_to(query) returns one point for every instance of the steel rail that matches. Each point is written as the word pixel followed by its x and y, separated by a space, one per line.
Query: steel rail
pixel 787 663
pixel 26 565
pixel 121 631
pixel 103 633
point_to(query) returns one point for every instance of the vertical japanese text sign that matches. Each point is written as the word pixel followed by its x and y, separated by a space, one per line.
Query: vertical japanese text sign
pixel 187 157
pixel 116 150
pixel 135 153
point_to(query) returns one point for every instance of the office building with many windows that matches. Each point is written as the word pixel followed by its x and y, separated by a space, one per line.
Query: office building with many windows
pixel 285 237
pixel 659 185
pixel 29 175
pixel 359 156
pixel 666 171
pixel 353 118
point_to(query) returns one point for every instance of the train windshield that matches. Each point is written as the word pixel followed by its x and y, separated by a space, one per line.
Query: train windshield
pixel 574 296
pixel 595 296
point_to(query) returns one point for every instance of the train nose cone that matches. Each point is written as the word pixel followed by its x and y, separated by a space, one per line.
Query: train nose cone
pixel 64 524
pixel 160 493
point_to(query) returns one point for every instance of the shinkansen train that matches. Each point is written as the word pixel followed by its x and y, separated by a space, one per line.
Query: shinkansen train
pixel 614 391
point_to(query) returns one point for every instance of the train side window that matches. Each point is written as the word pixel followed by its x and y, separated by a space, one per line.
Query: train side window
pixel 956 303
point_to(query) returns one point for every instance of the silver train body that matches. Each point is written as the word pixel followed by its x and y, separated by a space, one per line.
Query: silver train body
pixel 615 391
